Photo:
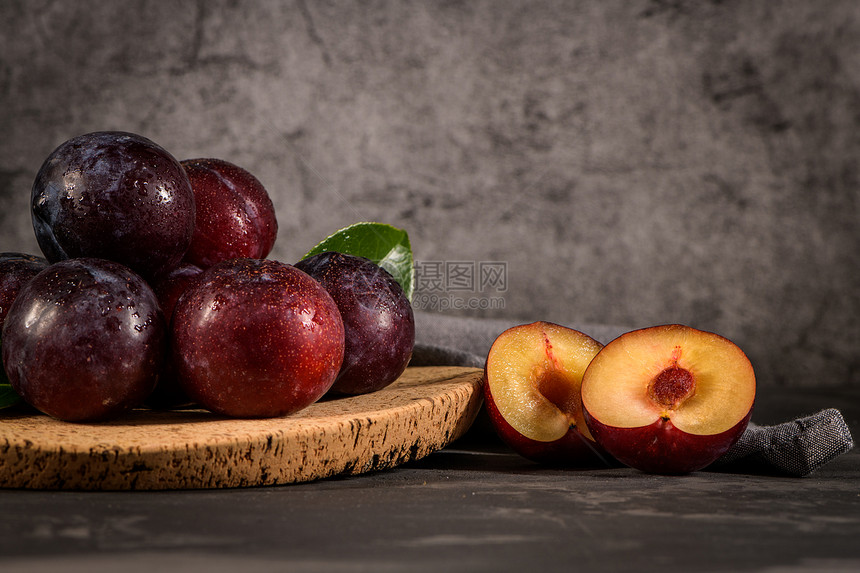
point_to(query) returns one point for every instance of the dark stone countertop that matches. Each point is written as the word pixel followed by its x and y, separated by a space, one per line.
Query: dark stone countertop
pixel 471 507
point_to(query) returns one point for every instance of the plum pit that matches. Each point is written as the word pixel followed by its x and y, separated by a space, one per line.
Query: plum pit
pixel 672 386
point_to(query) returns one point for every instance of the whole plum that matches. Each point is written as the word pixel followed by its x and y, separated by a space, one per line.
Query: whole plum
pixel 378 321
pixel 256 338
pixel 168 394
pixel 84 340
pixel 117 196
pixel 235 215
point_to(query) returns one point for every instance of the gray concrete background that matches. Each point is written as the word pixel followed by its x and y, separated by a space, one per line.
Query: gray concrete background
pixel 632 163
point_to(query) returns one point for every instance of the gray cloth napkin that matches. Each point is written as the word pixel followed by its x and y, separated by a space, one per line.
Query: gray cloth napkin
pixel 795 448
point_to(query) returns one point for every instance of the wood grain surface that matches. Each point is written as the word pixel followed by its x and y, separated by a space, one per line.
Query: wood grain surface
pixel 424 410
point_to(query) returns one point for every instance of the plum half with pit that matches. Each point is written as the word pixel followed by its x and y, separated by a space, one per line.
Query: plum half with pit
pixel 378 321
pixel 84 340
pixel 668 399
pixel 235 215
pixel 117 196
pixel 256 338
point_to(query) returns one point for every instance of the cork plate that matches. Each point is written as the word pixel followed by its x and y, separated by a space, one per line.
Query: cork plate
pixel 423 411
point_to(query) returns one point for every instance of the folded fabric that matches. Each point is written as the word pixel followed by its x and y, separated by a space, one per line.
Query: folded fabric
pixel 796 448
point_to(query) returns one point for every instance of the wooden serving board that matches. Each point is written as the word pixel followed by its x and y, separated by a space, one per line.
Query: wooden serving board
pixel 424 410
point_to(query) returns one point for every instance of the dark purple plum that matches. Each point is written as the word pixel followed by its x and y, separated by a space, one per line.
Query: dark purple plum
pixel 85 340
pixel 15 270
pixel 256 338
pixel 235 215
pixel 379 326
pixel 117 196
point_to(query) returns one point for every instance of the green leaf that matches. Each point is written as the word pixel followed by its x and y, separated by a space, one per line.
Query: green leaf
pixel 383 244
pixel 8 397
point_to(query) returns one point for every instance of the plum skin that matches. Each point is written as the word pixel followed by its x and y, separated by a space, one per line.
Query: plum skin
pixel 379 323
pixel 235 216
pixel 661 448
pixel 169 287
pixel 117 196
pixel 256 338
pixel 15 270
pixel 84 340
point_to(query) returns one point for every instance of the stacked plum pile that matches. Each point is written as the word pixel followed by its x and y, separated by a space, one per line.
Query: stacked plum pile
pixel 155 289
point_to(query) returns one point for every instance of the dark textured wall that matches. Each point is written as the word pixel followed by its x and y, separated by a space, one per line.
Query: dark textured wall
pixel 633 162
